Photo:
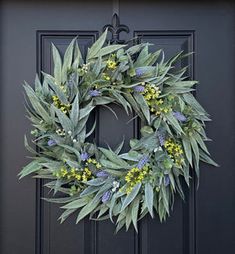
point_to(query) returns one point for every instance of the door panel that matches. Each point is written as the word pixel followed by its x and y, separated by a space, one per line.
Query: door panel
pixel 205 222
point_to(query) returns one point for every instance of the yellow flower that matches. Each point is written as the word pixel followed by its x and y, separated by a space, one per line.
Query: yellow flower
pixel 78 177
pixel 135 176
pixel 63 107
pixel 175 151
pixel 111 64
pixel 98 165
pixel 106 77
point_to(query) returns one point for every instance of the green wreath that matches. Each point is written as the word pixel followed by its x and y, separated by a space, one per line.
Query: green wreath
pixel 98 181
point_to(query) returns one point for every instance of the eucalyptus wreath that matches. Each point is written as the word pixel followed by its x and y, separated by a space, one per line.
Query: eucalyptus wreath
pixel 105 183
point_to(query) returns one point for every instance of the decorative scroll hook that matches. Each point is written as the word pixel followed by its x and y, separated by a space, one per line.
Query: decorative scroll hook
pixel 115 29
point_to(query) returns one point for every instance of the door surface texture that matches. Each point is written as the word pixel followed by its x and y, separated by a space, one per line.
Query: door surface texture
pixel 202 224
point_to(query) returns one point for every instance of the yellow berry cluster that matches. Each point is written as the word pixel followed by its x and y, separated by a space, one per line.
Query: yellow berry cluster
pixel 111 64
pixel 74 174
pixel 157 105
pixel 94 162
pixel 106 77
pixel 134 176
pixel 73 190
pixel 166 105
pixel 175 151
pixel 151 94
pixel 63 107
pixel 164 108
pixel 63 88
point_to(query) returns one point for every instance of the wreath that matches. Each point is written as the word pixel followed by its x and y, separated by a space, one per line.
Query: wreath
pixel 105 183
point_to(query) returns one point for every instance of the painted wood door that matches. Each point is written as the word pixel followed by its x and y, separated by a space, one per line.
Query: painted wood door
pixel 205 222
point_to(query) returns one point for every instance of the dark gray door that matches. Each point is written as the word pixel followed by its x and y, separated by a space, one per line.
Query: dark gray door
pixel 205 223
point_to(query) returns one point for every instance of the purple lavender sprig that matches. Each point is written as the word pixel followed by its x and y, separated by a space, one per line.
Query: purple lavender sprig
pixel 51 142
pixel 84 156
pixel 142 162
pixel 139 89
pixel 161 138
pixel 106 196
pixel 166 180
pixel 179 116
pixel 139 72
pixel 102 174
pixel 94 93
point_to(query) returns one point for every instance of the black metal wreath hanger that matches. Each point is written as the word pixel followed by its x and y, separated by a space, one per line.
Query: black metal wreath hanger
pixel 115 28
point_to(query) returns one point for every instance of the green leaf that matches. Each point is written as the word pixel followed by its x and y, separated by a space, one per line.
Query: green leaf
pixel 131 156
pixel 66 214
pixel 135 106
pixel 77 56
pixel 108 50
pixel 190 99
pixel 27 146
pixel 89 190
pixel 128 217
pixel 135 211
pixel 143 105
pixel 96 182
pixel 164 196
pixel 60 200
pixel 61 95
pixel 91 130
pixel 183 84
pixel 187 149
pixel 74 113
pixel 117 173
pixel 113 157
pixel 68 57
pixel 38 85
pixel 57 64
pixel 112 204
pixel 120 99
pixel 146 131
pixel 109 164
pixel 64 120
pixel 36 104
pixel 130 197
pixel 119 147
pixel 136 48
pixel 204 157
pixel 102 100
pixel 157 123
pixel 96 47
pixel 97 66
pixel 71 149
pixel 196 154
pixel 201 142
pixel 76 204
pixel 87 209
pixel 175 124
pixel 149 197
pixel 32 167
pixel 85 111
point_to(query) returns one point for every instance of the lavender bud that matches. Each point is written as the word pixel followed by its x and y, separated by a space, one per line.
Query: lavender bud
pixel 179 116
pixel 51 142
pixel 106 196
pixel 84 156
pixel 166 180
pixel 161 138
pixel 139 89
pixel 102 174
pixel 142 162
pixel 94 93
pixel 139 72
